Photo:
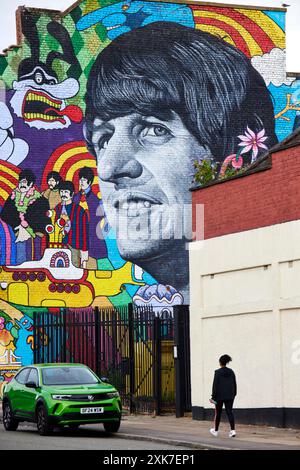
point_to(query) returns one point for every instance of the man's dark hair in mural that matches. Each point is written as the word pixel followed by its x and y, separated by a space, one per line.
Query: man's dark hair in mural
pixel 87 173
pixel 52 192
pixel 54 175
pixel 27 175
pixel 67 186
pixel 159 98
pixel 164 66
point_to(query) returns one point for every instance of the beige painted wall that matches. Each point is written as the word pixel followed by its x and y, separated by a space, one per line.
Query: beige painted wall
pixel 245 302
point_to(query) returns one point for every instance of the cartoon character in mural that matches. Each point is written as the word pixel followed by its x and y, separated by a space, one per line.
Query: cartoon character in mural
pixel 125 16
pixel 24 340
pixel 52 193
pixel 93 207
pixel 37 101
pixel 25 211
pixel 9 364
pixel 73 220
pixel 39 98
pixel 159 98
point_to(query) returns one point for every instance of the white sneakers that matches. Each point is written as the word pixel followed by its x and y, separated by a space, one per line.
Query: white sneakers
pixel 215 433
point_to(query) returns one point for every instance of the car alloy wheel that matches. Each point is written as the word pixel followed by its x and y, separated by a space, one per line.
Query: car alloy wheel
pixel 10 423
pixel 43 426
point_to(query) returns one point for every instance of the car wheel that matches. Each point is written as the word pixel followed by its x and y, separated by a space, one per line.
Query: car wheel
pixel 42 419
pixel 112 426
pixel 9 422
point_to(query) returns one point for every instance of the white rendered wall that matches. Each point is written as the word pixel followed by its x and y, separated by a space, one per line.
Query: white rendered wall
pixel 245 302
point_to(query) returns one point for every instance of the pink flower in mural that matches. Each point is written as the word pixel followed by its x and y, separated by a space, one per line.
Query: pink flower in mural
pixel 252 141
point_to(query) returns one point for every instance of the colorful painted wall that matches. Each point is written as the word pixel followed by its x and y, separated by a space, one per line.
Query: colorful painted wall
pixel 103 112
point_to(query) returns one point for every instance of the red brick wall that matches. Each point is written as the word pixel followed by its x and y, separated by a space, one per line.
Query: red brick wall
pixel 265 198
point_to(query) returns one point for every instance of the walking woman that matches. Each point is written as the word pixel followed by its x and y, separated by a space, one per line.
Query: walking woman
pixel 223 392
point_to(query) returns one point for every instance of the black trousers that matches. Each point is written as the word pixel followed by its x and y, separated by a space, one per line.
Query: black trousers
pixel 218 412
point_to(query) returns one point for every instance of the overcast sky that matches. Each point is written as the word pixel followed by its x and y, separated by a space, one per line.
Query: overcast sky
pixel 8 30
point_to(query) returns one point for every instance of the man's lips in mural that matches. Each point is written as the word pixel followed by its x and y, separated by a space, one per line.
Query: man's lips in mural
pixel 40 106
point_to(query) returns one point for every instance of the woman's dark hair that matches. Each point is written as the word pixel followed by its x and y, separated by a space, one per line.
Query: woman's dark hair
pixel 165 66
pixel 224 359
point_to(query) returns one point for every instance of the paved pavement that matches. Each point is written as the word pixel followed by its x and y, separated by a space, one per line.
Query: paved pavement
pixel 186 432
pixel 195 434
pixel 92 437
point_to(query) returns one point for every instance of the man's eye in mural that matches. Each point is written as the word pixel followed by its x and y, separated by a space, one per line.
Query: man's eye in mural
pixel 145 132
pixel 156 133
pixel 126 16
pixel 39 96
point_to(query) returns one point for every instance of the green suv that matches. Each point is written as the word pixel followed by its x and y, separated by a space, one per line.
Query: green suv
pixel 58 395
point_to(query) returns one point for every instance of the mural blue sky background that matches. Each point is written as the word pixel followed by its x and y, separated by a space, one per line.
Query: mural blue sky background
pixel 8 31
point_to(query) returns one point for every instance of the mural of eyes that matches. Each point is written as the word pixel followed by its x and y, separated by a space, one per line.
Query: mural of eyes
pixel 38 78
pixel 147 133
pixel 156 134
pixel 126 16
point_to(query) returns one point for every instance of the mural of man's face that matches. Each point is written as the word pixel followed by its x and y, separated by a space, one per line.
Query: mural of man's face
pixel 24 186
pixel 52 183
pixel 84 184
pixel 66 196
pixel 145 166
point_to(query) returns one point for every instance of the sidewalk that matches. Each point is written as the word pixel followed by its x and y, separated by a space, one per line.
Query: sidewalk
pixel 195 434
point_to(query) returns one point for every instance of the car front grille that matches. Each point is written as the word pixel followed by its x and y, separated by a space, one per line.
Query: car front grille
pixel 85 397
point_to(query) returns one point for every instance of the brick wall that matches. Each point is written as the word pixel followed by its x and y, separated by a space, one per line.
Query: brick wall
pixel 264 198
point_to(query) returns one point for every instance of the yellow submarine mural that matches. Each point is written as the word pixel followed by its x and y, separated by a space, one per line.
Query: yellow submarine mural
pixel 54 281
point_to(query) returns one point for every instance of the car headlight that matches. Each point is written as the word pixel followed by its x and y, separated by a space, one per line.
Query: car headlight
pixel 112 394
pixel 61 397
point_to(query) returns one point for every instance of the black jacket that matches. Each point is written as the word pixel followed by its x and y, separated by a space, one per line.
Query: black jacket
pixel 224 385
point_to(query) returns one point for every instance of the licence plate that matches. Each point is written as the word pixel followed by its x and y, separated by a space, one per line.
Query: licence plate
pixel 84 411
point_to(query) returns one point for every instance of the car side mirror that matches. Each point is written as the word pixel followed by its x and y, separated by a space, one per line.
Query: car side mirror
pixel 105 380
pixel 31 385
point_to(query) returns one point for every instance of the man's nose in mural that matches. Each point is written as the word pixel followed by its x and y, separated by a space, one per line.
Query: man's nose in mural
pixel 39 97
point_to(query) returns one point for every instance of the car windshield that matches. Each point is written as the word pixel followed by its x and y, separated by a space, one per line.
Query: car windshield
pixel 68 376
